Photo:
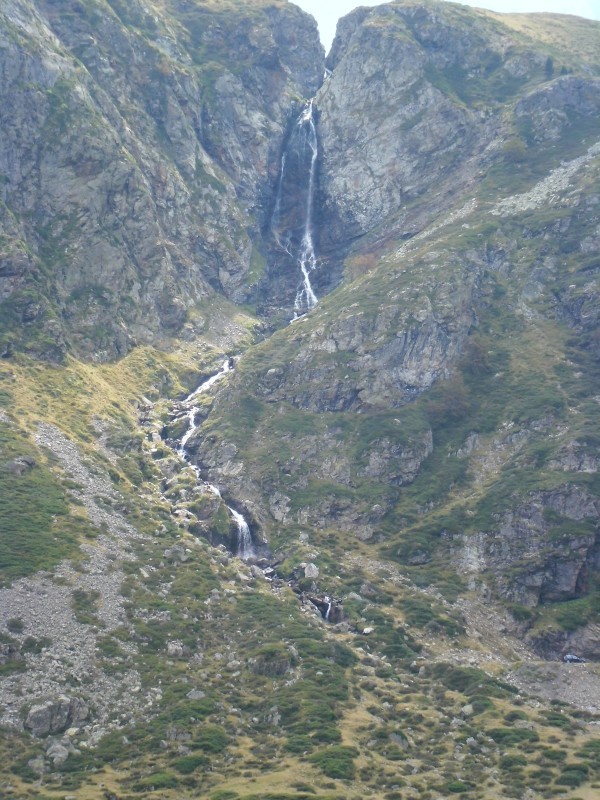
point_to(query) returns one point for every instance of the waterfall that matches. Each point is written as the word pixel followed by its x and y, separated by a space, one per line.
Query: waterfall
pixel 299 167
pixel 245 545
pixel 192 410
pixel 307 260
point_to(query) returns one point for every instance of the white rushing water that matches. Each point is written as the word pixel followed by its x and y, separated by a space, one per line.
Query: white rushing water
pixel 307 259
pixel 245 546
pixel 303 145
pixel 192 410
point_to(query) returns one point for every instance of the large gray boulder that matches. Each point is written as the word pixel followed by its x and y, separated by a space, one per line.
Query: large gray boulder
pixel 55 716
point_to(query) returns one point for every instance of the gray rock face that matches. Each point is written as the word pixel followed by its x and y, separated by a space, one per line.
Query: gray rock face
pixel 55 716
pixel 311 571
pixel 176 553
pixel 58 753
pixel 413 339
pixel 398 464
pixel 410 116
pixel 547 109
pixel 553 645
pixel 135 164
pixel 410 133
pixel 575 457
pixel 19 466
pixel 530 565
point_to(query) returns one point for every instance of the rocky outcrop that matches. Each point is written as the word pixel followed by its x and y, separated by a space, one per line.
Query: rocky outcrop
pixel 543 551
pixel 21 465
pixel 412 131
pixel 351 359
pixel 554 644
pixel 397 463
pixel 55 716
pixel 576 456
pixel 435 102
pixel 549 110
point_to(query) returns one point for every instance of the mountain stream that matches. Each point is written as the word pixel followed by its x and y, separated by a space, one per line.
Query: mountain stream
pixel 331 610
pixel 245 546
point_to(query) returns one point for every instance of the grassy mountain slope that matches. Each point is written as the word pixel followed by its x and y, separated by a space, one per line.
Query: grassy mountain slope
pixel 426 437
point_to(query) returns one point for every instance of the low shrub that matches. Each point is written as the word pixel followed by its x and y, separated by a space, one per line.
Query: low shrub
pixel 509 737
pixel 188 764
pixel 211 739
pixel 336 762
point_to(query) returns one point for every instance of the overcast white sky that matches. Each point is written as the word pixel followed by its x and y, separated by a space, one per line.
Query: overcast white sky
pixel 327 12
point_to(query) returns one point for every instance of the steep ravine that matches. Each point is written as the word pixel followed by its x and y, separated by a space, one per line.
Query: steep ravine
pixel 241 543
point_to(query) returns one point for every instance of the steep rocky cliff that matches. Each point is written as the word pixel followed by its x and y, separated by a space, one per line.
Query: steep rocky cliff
pixel 337 558
pixel 137 149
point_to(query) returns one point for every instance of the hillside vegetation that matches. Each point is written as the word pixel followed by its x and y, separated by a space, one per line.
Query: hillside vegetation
pixel 417 457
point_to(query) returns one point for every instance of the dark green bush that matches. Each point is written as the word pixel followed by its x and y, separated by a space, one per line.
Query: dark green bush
pixel 84 606
pixel 187 764
pixel 300 744
pixel 158 780
pixel 508 737
pixel 336 762
pixel 556 720
pixel 329 735
pixel 512 762
pixel 458 787
pixel 211 739
pixel 33 645
pixel 573 775
pixel 512 716
pixel 481 703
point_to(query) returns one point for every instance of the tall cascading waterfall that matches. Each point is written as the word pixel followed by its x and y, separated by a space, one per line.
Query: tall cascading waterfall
pixel 307 259
pixel 245 546
pixel 292 224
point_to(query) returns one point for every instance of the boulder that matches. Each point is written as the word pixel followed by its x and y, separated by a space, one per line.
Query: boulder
pixel 19 466
pixel 55 716
pixel 176 553
pixel 58 753
pixel 311 571
pixel 196 694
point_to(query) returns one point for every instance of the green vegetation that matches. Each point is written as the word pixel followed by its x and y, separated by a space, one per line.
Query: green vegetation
pixel 37 529
pixel 85 607
pixel 336 762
